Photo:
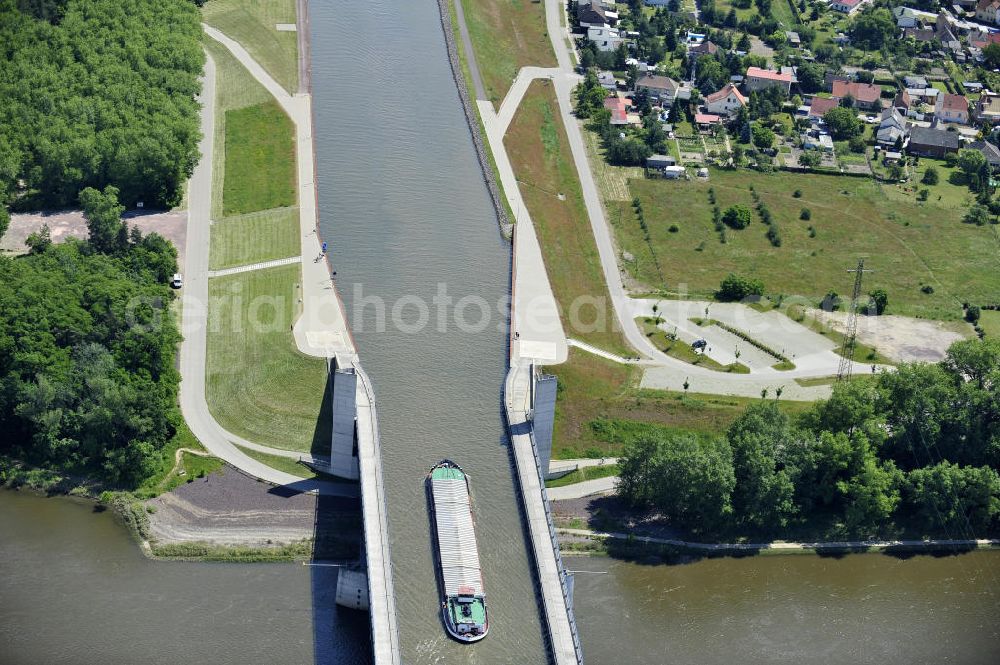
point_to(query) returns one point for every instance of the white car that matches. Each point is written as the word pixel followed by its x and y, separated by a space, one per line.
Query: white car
pixel 177 282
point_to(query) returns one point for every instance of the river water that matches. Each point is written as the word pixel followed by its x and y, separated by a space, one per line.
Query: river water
pixel 404 208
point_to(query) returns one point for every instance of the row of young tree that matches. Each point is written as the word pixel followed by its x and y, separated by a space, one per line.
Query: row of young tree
pixel 914 450
pixel 88 383
pixel 97 92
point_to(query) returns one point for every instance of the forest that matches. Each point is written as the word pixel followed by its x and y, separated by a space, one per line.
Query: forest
pixel 913 451
pixel 88 383
pixel 97 93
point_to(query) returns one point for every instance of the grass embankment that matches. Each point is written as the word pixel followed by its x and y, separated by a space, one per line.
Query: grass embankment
pixel 908 244
pixel 584 473
pixel 280 463
pixel 681 350
pixel 298 551
pixel 540 155
pixel 599 407
pixel 255 237
pixel 506 36
pixel 260 159
pixel 258 384
pixel 168 475
pixel 252 24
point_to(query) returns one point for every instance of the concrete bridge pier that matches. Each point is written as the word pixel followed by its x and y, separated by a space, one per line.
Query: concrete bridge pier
pixel 344 397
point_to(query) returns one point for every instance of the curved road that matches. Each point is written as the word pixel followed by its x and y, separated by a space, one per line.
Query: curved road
pixel 193 350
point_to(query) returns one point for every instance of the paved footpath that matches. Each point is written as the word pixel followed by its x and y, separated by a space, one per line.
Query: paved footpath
pixel 585 488
pixel 783 546
pixel 254 266
pixel 193 350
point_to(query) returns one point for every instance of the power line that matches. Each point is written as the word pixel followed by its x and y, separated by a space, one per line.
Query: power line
pixel 850 339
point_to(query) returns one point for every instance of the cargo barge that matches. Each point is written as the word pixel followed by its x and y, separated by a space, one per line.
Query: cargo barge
pixel 463 600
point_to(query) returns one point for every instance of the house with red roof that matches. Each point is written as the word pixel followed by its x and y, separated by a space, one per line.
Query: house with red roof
pixel 617 107
pixel 726 101
pixel 761 79
pixel 820 105
pixel 865 95
pixel 952 108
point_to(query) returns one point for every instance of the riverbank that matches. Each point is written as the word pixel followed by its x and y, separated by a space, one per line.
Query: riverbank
pixel 630 546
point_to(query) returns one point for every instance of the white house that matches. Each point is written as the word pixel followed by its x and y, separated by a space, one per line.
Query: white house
pixel 605 38
pixel 726 101
pixel 847 6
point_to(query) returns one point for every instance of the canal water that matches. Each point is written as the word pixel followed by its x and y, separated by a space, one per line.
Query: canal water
pixel 410 221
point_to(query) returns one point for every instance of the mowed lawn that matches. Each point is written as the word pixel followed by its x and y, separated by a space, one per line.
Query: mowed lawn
pixel 255 237
pixel 540 155
pixel 252 23
pixel 259 386
pixel 907 244
pixel 260 159
pixel 989 320
pixel 506 35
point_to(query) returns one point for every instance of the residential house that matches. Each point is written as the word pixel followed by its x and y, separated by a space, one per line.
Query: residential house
pixel 913 81
pixel 760 79
pixel 726 101
pixel 905 17
pixel 990 152
pixel 866 95
pixel 607 81
pixel 706 120
pixel 891 129
pixel 662 89
pixel 616 105
pixel 704 47
pixel 847 6
pixel 605 38
pixel 659 162
pixel 986 11
pixel 988 109
pixel 922 35
pixel 820 105
pixel 594 13
pixel 832 77
pixel 932 142
pixel 902 102
pixel 793 39
pixel 819 141
pixel 952 108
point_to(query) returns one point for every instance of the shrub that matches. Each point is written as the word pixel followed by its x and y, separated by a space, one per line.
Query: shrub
pixel 972 314
pixel 927 288
pixel 931 176
pixel 923 194
pixel 812 232
pixel 797 193
pixel 806 214
pixel 879 301
pixel 856 144
pixel 735 288
pixel 774 236
pixel 673 228
pixel 737 216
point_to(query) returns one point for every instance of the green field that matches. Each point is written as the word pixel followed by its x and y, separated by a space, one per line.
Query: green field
pixel 259 386
pixel 506 35
pixel 235 88
pixel 252 24
pixel 593 390
pixel 255 237
pixel 540 154
pixel 908 244
pixel 989 320
pixel 260 159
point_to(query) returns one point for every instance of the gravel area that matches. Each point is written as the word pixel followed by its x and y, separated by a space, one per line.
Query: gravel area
pixel 229 508
pixel 901 338
pixel 172 225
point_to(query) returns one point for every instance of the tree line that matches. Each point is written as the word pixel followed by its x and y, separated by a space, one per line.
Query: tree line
pixel 88 383
pixel 913 450
pixel 98 92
